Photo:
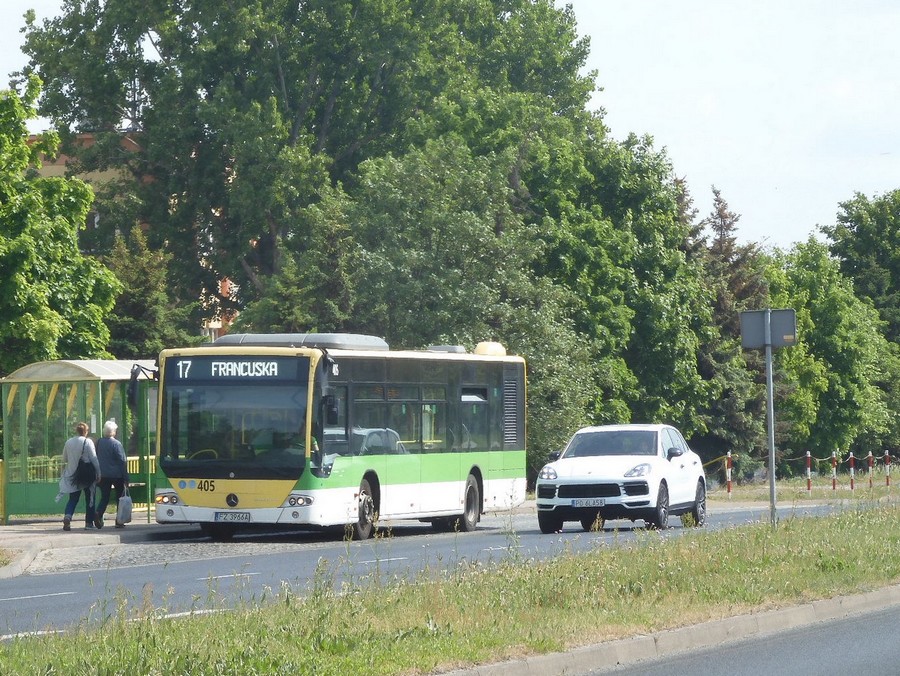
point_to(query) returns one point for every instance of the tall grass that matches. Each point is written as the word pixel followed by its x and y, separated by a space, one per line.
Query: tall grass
pixel 480 614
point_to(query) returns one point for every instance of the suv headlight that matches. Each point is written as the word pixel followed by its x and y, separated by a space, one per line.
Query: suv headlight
pixel 547 472
pixel 639 470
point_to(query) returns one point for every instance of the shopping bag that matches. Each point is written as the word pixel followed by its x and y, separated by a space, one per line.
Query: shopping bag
pixel 123 513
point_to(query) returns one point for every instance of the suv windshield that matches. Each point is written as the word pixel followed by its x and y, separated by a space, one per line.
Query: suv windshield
pixel 611 442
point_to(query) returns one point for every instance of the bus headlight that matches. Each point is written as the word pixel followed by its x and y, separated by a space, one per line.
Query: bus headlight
pixel 297 500
pixel 166 499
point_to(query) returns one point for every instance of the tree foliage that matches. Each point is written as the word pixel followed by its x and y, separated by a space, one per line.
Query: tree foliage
pixel 429 171
pixel 144 319
pixel 53 300
pixel 243 112
pixel 734 274
pixel 442 258
pixel 865 241
pixel 836 366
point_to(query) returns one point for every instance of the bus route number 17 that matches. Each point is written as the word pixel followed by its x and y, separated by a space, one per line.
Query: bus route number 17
pixel 184 367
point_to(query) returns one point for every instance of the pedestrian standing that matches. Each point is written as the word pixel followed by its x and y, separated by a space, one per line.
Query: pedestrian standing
pixel 114 468
pixel 77 449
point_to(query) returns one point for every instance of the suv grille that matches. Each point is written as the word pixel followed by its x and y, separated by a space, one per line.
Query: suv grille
pixel 589 491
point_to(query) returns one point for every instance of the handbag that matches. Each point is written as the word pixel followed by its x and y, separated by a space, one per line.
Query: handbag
pixel 123 513
pixel 85 474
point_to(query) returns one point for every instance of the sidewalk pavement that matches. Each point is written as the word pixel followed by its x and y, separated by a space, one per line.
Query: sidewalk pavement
pixel 26 538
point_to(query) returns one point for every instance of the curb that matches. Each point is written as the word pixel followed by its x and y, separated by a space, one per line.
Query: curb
pixel 623 652
pixel 21 562
pixel 27 552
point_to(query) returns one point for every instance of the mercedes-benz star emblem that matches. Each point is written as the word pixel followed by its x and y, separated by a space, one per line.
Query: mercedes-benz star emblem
pixel 231 499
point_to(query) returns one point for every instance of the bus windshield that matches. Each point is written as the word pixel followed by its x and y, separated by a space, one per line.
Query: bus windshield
pixel 214 429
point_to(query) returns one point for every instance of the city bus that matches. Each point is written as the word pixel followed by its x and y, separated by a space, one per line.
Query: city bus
pixel 322 430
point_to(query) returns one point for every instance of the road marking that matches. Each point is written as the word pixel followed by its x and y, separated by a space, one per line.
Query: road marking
pixel 26 634
pixel 399 558
pixel 224 577
pixel 37 596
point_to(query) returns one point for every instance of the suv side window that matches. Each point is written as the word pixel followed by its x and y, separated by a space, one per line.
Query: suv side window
pixel 669 441
pixel 679 440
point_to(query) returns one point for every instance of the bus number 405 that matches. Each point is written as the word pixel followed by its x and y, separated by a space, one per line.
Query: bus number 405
pixel 206 485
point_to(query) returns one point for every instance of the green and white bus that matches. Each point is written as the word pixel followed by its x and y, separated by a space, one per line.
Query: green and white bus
pixel 326 429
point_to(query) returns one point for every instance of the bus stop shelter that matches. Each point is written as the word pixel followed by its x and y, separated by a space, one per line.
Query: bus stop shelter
pixel 42 402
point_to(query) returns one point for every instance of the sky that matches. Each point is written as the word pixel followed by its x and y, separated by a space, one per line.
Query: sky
pixel 787 107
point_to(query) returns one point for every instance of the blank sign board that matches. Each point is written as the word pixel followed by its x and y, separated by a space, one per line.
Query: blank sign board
pixel 782 324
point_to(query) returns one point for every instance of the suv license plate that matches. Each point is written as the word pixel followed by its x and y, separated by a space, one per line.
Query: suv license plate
pixel 588 502
pixel 243 517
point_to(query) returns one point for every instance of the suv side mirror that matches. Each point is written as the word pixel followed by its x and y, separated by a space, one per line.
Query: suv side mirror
pixel 554 455
pixel 674 452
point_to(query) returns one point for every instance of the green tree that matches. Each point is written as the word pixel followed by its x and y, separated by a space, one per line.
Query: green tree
pixel 145 319
pixel 735 274
pixel 865 241
pixel 53 300
pixel 242 113
pixel 664 289
pixel 443 258
pixel 835 370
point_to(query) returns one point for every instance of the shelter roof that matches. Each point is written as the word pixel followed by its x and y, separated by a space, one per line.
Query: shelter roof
pixel 68 370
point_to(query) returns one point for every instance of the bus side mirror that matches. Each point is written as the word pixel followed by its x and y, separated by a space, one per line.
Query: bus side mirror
pixel 131 392
pixel 331 410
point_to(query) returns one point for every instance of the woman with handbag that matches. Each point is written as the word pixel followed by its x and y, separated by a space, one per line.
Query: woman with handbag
pixel 114 468
pixel 80 472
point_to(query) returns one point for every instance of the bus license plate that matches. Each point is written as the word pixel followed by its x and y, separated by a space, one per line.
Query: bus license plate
pixel 588 502
pixel 233 516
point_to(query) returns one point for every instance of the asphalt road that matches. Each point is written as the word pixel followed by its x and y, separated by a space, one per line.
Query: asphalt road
pixel 176 569
pixel 864 643
pixel 179 570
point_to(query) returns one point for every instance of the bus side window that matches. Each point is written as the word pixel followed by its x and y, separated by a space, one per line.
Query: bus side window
pixel 334 438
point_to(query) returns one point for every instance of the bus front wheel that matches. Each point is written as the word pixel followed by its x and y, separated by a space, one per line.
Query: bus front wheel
pixel 362 529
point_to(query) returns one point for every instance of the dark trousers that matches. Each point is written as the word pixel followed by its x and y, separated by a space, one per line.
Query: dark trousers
pixel 106 486
pixel 88 504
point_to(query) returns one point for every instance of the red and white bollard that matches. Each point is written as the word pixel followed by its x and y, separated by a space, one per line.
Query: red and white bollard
pixel 871 459
pixel 852 472
pixel 808 473
pixel 834 470
pixel 728 473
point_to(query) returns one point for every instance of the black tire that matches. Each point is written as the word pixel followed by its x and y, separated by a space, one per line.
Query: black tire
pixel 592 523
pixel 365 523
pixel 471 508
pixel 549 523
pixel 660 517
pixel 697 516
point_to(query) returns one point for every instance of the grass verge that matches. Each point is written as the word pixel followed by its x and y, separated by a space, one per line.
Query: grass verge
pixel 795 490
pixel 478 614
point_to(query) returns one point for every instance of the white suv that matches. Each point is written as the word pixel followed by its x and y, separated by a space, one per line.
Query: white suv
pixel 622 472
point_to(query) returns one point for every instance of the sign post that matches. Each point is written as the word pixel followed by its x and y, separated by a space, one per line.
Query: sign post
pixel 769 329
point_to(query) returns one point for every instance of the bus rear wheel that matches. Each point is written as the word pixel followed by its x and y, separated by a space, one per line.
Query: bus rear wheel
pixel 365 522
pixel 471 507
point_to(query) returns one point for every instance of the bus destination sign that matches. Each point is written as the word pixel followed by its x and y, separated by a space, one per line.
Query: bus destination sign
pixel 190 369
